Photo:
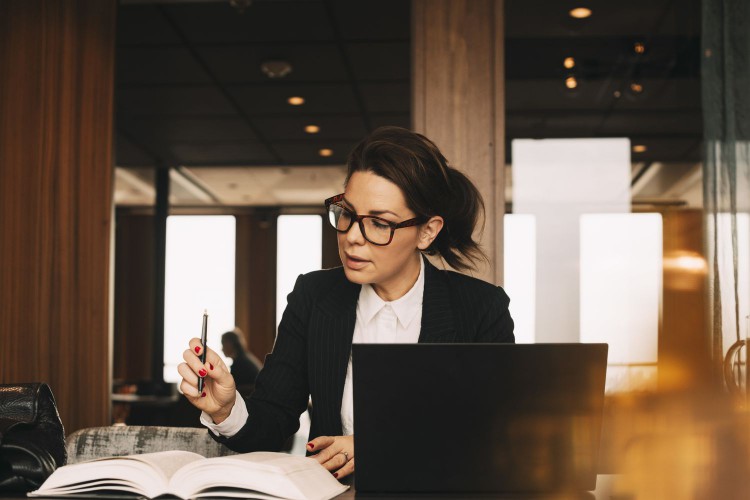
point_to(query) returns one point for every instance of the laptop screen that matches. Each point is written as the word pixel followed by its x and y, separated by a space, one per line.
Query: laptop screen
pixel 477 417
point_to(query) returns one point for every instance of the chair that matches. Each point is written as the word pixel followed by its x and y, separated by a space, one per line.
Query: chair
pixel 119 440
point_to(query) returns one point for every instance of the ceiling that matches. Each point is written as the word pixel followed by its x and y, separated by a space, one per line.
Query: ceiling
pixel 190 92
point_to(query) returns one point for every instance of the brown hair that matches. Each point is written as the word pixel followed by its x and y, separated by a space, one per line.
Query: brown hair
pixel 431 187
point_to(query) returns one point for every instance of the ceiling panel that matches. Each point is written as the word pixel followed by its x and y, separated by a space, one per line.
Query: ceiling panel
pixel 309 62
pixel 272 98
pixel 206 129
pixel 306 152
pixel 158 65
pixel 293 127
pixel 386 97
pixel 143 25
pixel 221 153
pixel 534 18
pixel 380 61
pixel 172 100
pixel 128 153
pixel 398 120
pixel 373 20
pixel 264 21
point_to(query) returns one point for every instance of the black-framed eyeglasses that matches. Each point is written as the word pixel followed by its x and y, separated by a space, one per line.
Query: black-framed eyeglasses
pixel 376 230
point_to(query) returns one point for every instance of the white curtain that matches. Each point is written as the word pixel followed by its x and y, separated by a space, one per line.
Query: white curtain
pixel 726 110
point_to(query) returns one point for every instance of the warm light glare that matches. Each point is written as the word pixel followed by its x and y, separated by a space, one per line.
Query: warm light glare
pixel 639 48
pixel 326 152
pixel 690 262
pixel 569 63
pixel 312 129
pixel 571 82
pixel 636 87
pixel 296 101
pixel 580 13
pixel 639 148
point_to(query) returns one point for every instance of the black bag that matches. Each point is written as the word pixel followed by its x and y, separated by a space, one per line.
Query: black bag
pixel 32 439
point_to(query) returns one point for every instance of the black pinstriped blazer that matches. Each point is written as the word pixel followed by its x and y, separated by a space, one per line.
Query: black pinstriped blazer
pixel 314 341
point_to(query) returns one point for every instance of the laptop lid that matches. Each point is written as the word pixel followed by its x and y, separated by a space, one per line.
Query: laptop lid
pixel 477 417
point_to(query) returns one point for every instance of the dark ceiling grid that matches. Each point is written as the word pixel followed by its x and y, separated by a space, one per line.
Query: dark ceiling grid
pixel 347 64
pixel 220 85
pixel 537 40
pixel 355 71
pixel 633 67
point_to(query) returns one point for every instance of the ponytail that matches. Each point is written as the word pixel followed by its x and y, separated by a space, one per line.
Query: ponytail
pixel 431 187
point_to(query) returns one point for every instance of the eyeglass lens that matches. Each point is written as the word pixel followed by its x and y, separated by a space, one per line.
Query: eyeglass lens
pixel 375 231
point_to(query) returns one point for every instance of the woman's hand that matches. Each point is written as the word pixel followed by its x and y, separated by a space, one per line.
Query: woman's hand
pixel 219 390
pixel 336 453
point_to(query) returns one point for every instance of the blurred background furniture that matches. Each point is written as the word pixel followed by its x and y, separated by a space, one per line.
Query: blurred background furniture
pixel 119 440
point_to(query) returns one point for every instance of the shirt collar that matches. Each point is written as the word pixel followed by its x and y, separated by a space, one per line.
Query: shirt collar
pixel 405 307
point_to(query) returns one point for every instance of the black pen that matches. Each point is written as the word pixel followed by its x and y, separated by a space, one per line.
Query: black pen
pixel 204 339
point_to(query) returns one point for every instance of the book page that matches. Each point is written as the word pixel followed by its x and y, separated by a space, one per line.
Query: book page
pixel 146 474
pixel 276 474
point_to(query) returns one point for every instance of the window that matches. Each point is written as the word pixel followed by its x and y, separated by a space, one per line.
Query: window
pixel 200 275
pixel 299 251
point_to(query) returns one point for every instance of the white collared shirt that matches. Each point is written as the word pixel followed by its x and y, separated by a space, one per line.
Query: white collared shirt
pixel 378 322
pixel 381 322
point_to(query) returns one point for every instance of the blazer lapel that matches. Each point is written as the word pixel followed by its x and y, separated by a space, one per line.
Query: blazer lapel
pixel 333 334
pixel 438 324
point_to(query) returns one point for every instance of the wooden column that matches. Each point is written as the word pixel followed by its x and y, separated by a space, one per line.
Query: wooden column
pixel 458 99
pixel 255 288
pixel 56 87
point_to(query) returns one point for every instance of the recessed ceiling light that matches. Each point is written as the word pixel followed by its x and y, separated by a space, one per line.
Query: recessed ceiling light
pixel 571 82
pixel 296 101
pixel 636 87
pixel 569 63
pixel 312 129
pixel 580 13
pixel 326 152
pixel 639 148
pixel 639 47
pixel 276 68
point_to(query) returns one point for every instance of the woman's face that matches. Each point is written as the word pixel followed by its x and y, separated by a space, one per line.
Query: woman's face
pixel 391 269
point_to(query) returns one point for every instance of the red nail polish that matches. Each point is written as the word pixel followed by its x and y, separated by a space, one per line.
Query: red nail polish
pixel 335 474
pixel 203 395
pixel 211 366
pixel 197 349
pixel 202 372
pixel 311 445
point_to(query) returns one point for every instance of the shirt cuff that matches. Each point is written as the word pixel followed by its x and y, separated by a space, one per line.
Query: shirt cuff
pixel 235 421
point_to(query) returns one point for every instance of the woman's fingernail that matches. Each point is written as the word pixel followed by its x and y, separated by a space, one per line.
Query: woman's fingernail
pixel 335 474
pixel 197 349
pixel 202 372
pixel 311 445
pixel 210 365
pixel 203 395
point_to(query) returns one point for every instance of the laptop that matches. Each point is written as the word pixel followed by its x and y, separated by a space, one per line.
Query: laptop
pixel 477 418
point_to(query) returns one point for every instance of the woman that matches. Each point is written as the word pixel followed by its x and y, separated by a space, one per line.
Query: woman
pixel 245 366
pixel 401 200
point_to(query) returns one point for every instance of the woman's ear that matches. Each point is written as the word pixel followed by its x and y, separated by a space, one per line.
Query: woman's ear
pixel 429 231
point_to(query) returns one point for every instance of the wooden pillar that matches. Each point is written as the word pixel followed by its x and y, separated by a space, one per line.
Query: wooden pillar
pixel 458 100
pixel 56 109
pixel 255 288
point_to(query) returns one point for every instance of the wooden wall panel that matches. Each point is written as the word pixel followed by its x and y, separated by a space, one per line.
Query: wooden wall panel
pixel 134 297
pixel 255 296
pixel 458 99
pixel 56 110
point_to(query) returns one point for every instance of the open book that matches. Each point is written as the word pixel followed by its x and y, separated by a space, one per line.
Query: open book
pixel 262 475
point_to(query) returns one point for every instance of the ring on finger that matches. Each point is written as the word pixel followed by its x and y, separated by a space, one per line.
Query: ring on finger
pixel 346 456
